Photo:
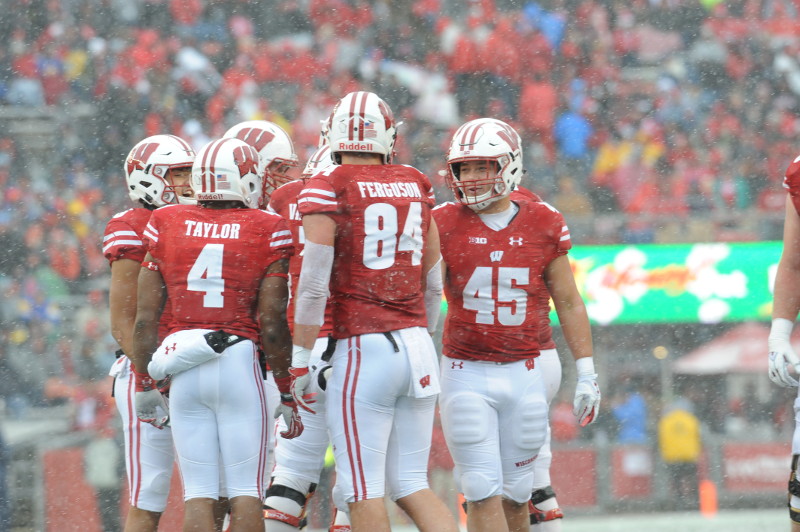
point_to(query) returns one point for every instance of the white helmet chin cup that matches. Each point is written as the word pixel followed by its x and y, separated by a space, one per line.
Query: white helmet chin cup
pixel 273 145
pixel 485 139
pixel 362 123
pixel 227 170
pixel 147 166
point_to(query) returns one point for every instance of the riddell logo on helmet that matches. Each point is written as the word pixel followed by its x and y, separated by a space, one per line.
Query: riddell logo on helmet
pixel 208 197
pixel 352 146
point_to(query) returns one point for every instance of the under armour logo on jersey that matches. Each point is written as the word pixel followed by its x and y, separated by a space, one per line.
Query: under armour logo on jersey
pixel 457 365
pixel 167 349
pixel 515 241
pixel 530 363
pixel 496 256
pixel 425 381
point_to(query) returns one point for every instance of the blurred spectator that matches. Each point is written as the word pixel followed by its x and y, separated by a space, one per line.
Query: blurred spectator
pixel 630 412
pixel 680 445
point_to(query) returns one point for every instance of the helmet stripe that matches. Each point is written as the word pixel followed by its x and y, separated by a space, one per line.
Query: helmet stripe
pixel 352 113
pixel 361 111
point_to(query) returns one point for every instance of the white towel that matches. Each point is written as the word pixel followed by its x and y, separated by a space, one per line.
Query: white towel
pixel 120 367
pixel 423 361
pixel 180 351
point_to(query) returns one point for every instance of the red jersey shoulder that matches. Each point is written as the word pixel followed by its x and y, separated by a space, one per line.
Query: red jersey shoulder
pixel 522 192
pixel 449 216
pixel 122 238
pixel 549 221
pixel 336 188
pixel 285 195
pixel 791 179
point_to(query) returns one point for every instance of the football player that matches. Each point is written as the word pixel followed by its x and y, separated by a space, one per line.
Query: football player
pixel 786 305
pixel 369 238
pixel 157 172
pixel 299 461
pixel 224 264
pixel 276 156
pixel 500 273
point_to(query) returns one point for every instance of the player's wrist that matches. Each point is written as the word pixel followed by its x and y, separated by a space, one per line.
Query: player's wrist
pixel 142 381
pixel 300 356
pixel 781 329
pixel 585 367
pixel 284 385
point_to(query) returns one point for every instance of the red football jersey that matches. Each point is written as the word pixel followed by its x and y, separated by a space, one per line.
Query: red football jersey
pixel 213 261
pixel 123 240
pixel 283 201
pixel 546 333
pixel 382 215
pixel 498 306
pixel 791 182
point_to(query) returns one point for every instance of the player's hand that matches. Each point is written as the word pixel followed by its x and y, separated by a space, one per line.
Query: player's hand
pixel 291 417
pixel 587 399
pixel 781 356
pixel 148 403
pixel 301 379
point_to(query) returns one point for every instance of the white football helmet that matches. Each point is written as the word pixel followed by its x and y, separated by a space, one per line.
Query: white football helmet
pixel 363 123
pixel 146 168
pixel 227 170
pixel 479 140
pixel 275 150
pixel 319 161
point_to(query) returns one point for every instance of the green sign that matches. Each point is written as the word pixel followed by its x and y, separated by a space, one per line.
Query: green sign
pixel 676 283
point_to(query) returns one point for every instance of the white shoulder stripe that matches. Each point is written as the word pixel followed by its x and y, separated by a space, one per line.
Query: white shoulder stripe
pixel 316 200
pixel 151 236
pixel 565 237
pixel 276 243
pixel 319 191
pixel 119 233
pixel 122 243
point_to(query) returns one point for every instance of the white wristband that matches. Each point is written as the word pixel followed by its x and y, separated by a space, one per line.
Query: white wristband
pixel 585 366
pixel 300 356
pixel 781 329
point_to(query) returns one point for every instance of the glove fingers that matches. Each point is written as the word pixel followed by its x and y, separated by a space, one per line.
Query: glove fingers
pixel 783 375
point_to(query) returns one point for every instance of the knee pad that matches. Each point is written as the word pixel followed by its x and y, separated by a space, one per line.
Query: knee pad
pixel 538 508
pixel 531 430
pixel 517 488
pixel 287 505
pixel 477 487
pixel 794 492
pixel 466 416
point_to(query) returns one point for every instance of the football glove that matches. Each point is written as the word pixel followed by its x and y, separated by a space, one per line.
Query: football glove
pixel 781 354
pixel 291 417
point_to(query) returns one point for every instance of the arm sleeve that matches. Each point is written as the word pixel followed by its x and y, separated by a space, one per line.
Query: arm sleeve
pixel 433 295
pixel 312 289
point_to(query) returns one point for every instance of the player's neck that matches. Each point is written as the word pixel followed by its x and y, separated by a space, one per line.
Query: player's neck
pixel 362 159
pixel 501 205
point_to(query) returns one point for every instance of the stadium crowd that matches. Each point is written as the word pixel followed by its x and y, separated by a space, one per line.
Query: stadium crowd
pixel 627 108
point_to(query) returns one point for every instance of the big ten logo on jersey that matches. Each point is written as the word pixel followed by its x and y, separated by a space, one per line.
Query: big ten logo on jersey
pixel 478 240
pixel 211 230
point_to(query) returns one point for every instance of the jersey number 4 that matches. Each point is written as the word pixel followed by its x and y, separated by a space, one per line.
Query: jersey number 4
pixel 381 238
pixel 495 296
pixel 206 276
